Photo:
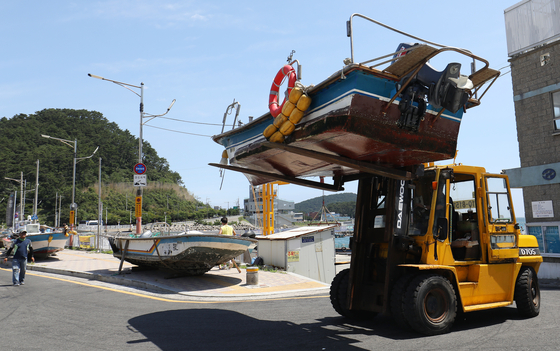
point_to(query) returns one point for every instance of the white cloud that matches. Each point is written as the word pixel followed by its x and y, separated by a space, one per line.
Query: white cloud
pixel 150 11
pixel 197 16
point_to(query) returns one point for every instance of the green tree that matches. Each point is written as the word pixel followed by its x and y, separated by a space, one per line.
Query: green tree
pixel 21 145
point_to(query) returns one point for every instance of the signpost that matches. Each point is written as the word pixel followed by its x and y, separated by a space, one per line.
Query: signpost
pixel 140 179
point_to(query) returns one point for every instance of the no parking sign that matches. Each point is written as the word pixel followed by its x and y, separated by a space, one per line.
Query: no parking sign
pixel 139 168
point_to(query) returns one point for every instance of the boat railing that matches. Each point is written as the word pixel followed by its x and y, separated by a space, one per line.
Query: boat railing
pixel 234 105
pixel 155 229
pixel 350 34
pixel 407 62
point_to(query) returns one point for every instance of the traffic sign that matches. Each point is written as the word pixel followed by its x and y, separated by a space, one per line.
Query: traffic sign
pixel 140 180
pixel 139 168
pixel 138 206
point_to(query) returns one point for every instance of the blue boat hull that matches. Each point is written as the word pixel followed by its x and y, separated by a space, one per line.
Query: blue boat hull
pixel 45 244
pixel 349 117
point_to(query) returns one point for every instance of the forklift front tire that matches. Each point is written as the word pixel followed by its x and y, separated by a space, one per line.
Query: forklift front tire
pixel 430 304
pixel 527 293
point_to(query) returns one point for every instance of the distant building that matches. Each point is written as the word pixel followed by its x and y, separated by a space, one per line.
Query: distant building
pixel 283 209
pixel 533 33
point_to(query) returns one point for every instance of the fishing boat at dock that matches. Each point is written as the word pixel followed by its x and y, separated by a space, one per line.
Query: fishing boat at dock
pixel 184 253
pixel 384 116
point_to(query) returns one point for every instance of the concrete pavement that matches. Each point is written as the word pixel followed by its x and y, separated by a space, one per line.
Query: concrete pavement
pixel 215 285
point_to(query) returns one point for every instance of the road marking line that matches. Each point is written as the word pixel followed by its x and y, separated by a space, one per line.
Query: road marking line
pixel 169 300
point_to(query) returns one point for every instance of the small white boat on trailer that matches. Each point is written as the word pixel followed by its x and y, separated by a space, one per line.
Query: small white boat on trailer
pixel 185 253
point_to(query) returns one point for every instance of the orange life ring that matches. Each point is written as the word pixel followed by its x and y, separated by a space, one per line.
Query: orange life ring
pixel 289 71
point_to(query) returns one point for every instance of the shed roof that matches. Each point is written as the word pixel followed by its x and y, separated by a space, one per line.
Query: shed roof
pixel 294 233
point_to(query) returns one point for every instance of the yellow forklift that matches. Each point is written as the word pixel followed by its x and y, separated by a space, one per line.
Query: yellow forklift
pixel 443 242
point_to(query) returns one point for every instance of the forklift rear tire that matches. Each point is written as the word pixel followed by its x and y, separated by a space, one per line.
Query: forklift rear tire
pixel 339 298
pixel 527 293
pixel 430 304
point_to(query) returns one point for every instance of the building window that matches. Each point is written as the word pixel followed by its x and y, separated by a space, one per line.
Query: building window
pixel 556 108
pixel 547 236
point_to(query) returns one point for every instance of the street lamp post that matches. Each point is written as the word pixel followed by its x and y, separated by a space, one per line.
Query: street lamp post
pixel 73 206
pixel 142 116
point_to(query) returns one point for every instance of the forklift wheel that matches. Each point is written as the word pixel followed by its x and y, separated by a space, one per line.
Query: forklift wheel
pixel 527 293
pixel 397 301
pixel 339 298
pixel 430 304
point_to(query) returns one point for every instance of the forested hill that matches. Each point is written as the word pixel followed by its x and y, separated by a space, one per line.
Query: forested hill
pixel 337 204
pixel 21 145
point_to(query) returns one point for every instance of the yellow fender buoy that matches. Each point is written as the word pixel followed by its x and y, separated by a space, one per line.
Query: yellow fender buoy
pixel 295 94
pixel 303 103
pixel 296 116
pixel 288 108
pixel 277 137
pixel 278 121
pixel 271 129
pixel 292 112
pixel 287 128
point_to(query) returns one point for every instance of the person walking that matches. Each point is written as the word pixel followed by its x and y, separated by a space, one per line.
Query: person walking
pixel 23 250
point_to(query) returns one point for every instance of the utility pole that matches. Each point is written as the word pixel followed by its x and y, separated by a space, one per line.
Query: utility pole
pixel 138 201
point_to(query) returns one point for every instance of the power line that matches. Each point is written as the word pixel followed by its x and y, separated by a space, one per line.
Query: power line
pixel 176 131
pixel 180 120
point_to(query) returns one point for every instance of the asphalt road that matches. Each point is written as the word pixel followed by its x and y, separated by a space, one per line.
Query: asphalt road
pixel 55 312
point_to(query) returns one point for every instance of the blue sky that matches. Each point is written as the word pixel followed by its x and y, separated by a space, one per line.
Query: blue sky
pixel 205 54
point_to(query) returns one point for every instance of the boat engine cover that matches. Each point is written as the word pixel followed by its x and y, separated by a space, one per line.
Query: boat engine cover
pixel 442 86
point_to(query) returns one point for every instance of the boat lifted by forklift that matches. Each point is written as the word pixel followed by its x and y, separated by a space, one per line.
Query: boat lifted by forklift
pixel 428 241
pixel 383 116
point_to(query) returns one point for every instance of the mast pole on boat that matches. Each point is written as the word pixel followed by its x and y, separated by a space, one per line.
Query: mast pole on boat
pixel 36 192
pixel 21 197
pixel 99 208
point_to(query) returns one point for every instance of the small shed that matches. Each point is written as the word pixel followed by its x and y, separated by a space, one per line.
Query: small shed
pixel 308 251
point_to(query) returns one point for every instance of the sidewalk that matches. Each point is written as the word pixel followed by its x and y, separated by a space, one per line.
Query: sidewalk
pixel 215 285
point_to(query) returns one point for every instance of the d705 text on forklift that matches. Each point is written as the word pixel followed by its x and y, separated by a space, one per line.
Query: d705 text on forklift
pixel 443 242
